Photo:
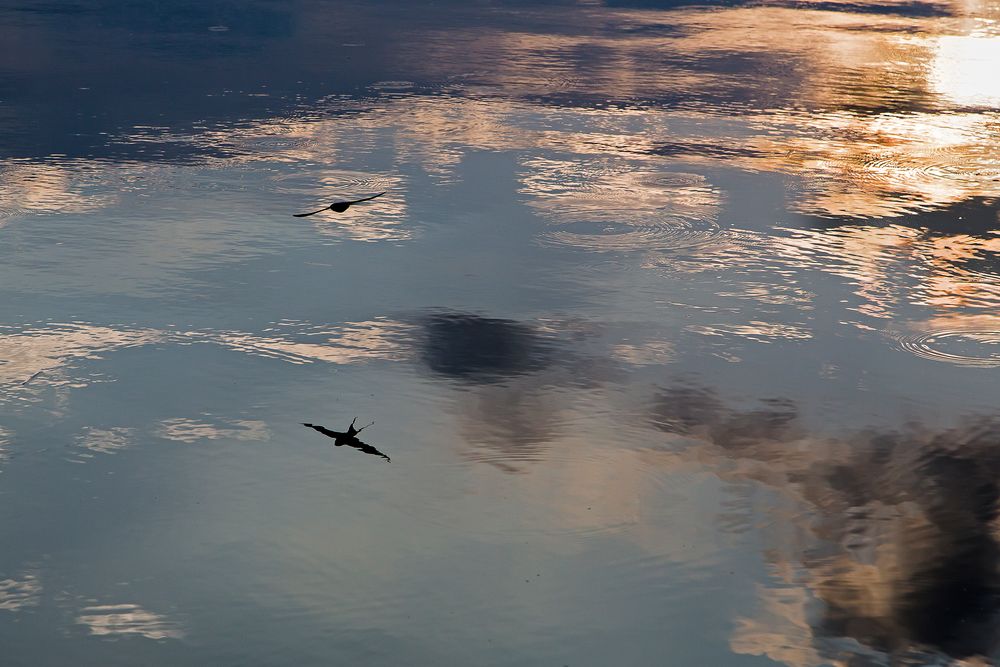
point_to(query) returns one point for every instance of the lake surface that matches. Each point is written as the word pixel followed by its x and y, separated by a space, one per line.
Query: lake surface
pixel 680 324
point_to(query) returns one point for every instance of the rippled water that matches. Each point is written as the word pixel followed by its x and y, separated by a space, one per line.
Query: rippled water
pixel 679 323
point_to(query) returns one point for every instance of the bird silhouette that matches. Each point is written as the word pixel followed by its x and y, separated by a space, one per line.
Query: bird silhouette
pixel 338 206
pixel 349 438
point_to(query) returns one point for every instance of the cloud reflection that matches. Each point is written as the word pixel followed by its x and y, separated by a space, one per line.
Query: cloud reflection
pixel 51 187
pixel 623 125
pixel 122 620
pixel 479 349
pixel 43 348
pixel 186 430
pixel 874 109
pixel 508 417
pixel 5 437
pixel 16 594
pixel 105 440
pixel 893 550
pixel 40 354
pixel 912 280
pixel 303 342
pixel 617 208
pixel 519 380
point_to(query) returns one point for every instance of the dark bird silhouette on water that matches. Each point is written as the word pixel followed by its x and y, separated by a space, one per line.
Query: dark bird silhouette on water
pixel 338 206
pixel 349 438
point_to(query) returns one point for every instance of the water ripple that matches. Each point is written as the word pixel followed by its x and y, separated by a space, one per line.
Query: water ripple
pixel 333 183
pixel 616 208
pixel 963 348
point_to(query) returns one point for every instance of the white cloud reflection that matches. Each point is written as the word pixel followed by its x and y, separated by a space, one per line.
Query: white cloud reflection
pixel 186 430
pixel 16 594
pixel 29 353
pixel 105 440
pixel 123 620
pixel 41 354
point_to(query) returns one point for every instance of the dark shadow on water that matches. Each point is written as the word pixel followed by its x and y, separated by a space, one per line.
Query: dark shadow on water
pixel 349 438
pixel 902 526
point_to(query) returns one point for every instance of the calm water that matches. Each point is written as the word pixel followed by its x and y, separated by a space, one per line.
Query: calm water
pixel 680 324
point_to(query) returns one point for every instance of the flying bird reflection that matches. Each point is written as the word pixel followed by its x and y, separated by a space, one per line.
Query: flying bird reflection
pixel 339 206
pixel 349 438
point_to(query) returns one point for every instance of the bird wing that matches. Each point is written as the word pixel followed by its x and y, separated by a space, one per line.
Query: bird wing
pixel 358 201
pixel 303 215
pixel 325 431
pixel 367 449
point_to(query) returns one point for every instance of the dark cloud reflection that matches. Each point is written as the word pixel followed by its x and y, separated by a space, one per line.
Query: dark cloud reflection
pixel 520 381
pixel 897 540
pixel 475 349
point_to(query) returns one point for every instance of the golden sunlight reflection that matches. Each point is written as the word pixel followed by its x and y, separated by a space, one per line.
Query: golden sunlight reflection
pixel 847 164
pixel 863 166
pixel 617 229
pixel 858 120
pixel 835 67
pixel 964 69
pixel 869 129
